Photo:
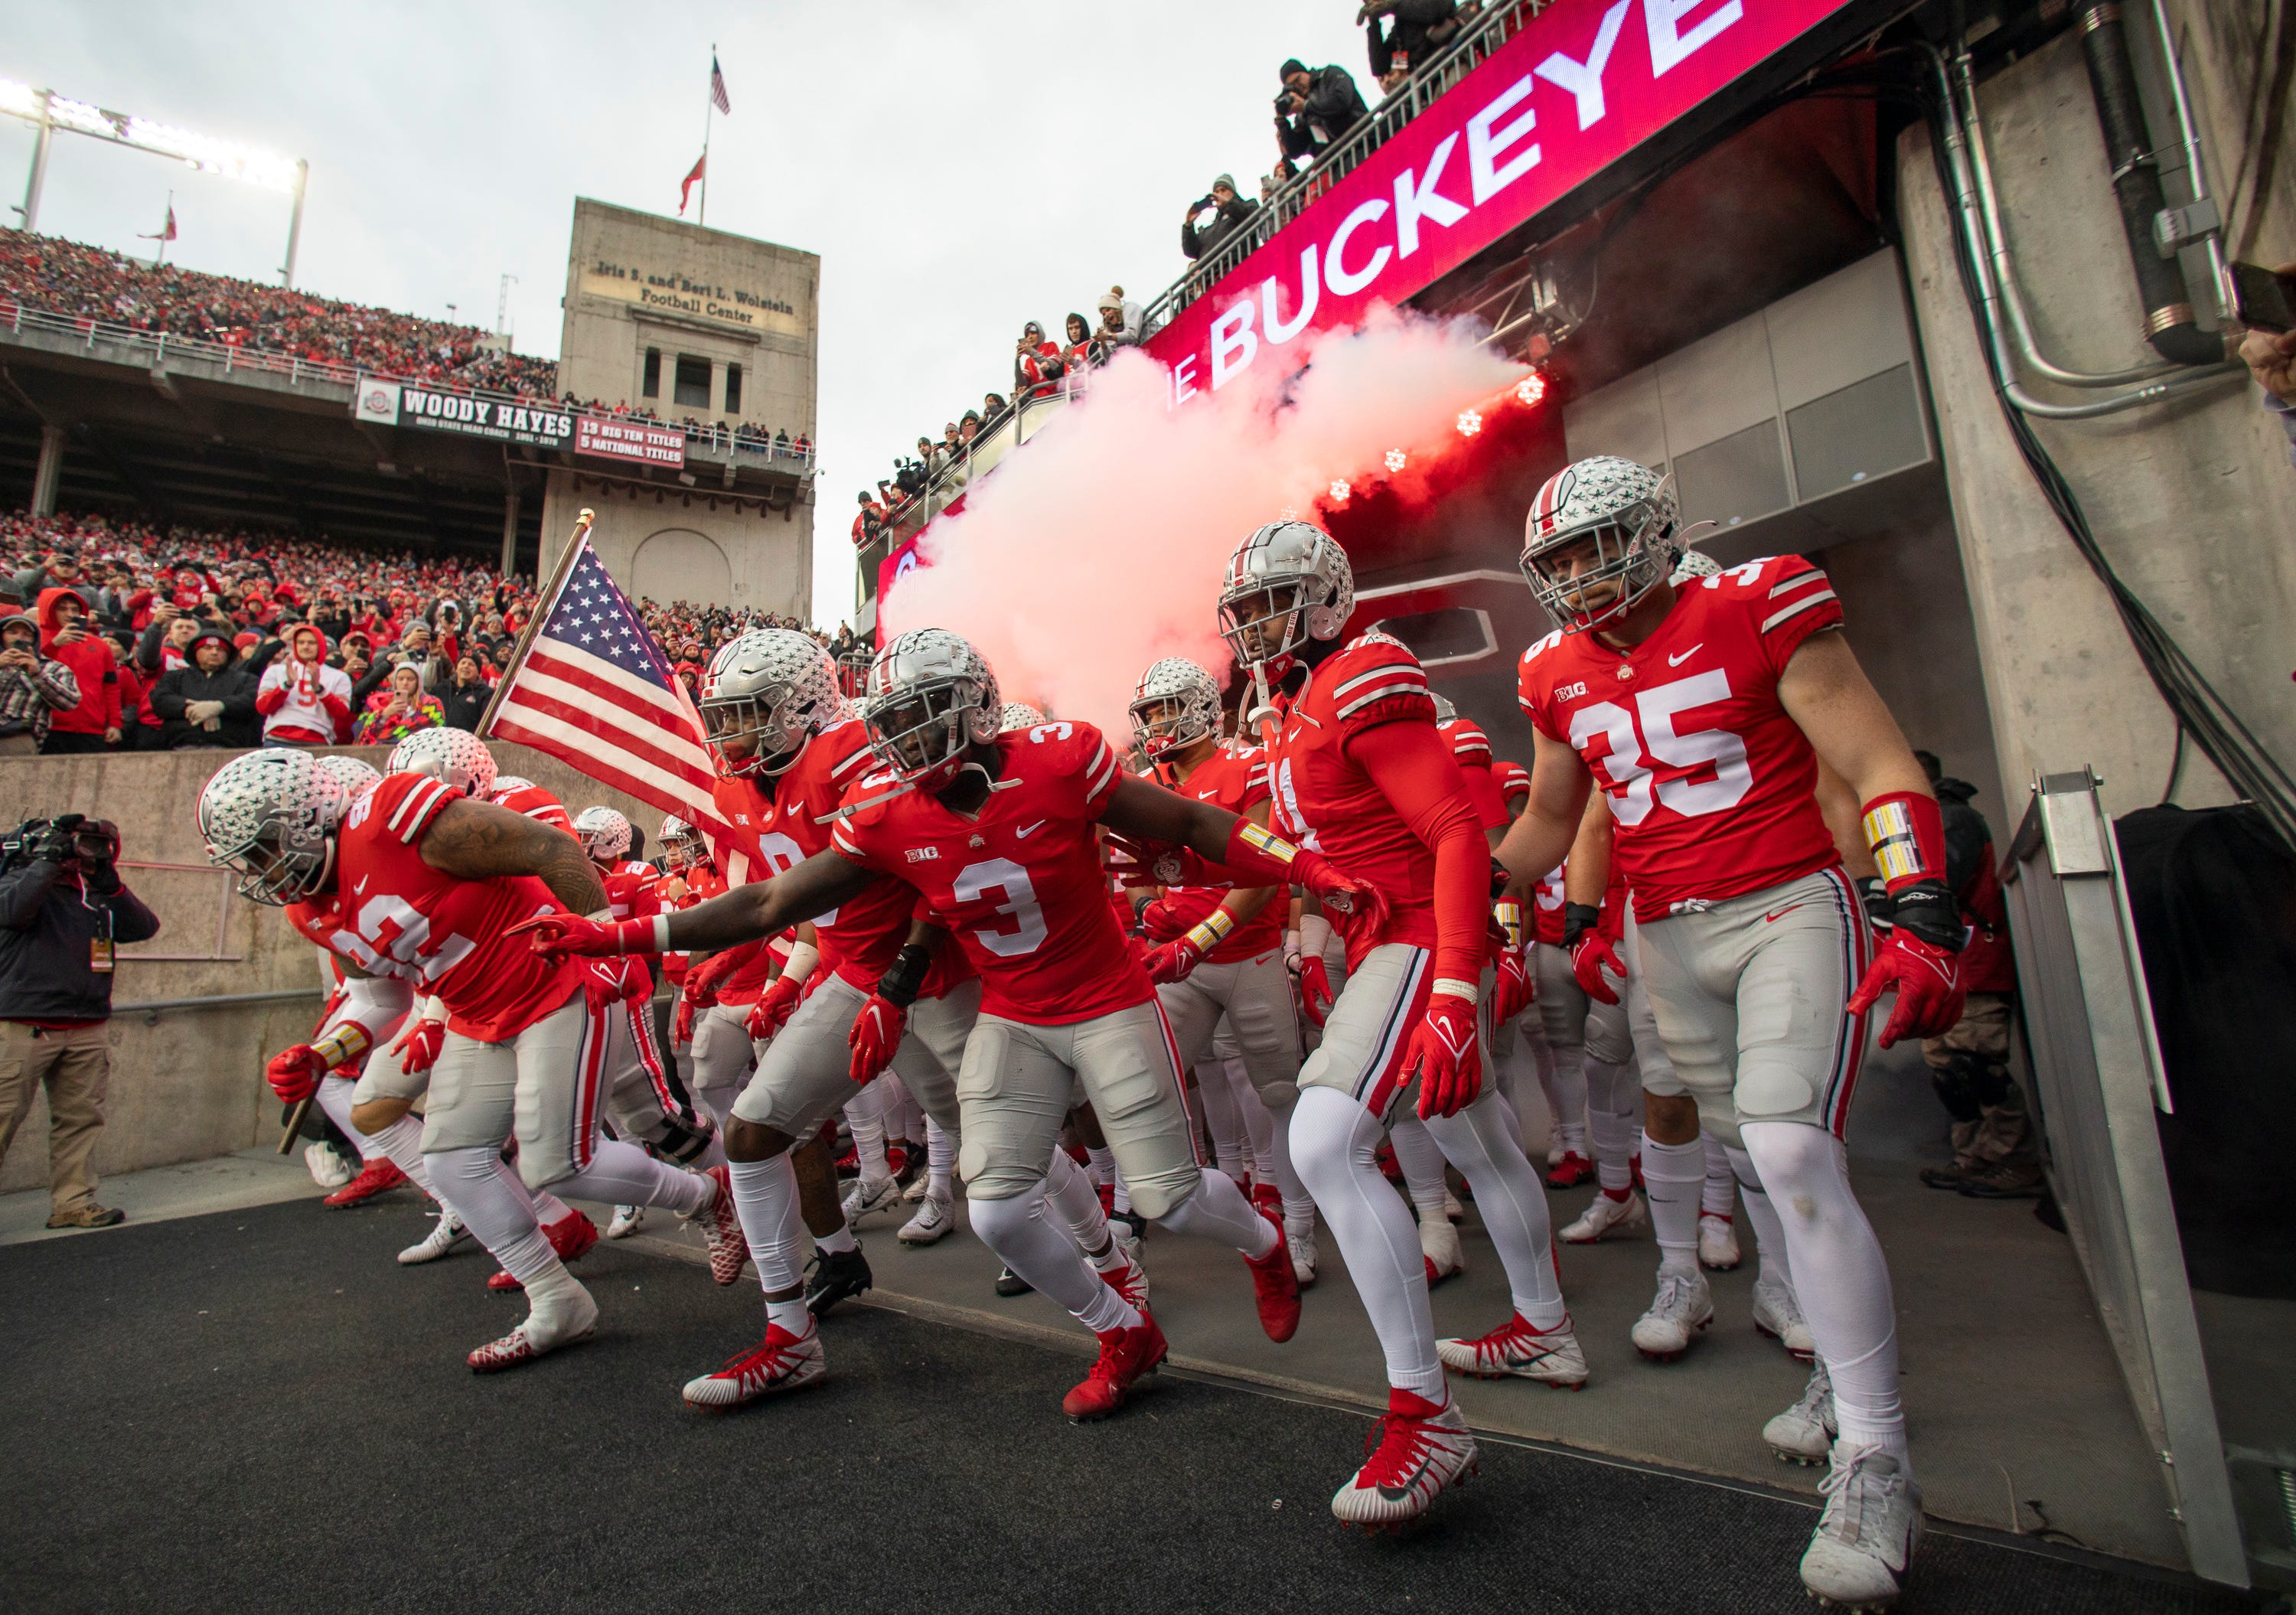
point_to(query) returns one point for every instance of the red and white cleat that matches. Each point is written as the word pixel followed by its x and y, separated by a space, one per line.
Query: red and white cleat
pixel 1128 1280
pixel 539 1335
pixel 1415 1451
pixel 1516 1350
pixel 1439 1242
pixel 721 1230
pixel 1268 1200
pixel 503 1283
pixel 378 1177
pixel 1275 1287
pixel 571 1236
pixel 781 1362
pixel 1569 1171
pixel 1125 1355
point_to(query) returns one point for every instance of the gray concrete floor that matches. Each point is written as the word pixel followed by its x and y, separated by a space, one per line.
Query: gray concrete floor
pixel 251 1177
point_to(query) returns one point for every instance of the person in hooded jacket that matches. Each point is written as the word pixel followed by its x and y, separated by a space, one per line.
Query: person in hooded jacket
pixel 303 701
pixel 33 687
pixel 208 703
pixel 93 724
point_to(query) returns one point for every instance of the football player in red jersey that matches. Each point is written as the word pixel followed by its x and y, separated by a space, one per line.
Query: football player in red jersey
pixel 1702 713
pixel 1360 775
pixel 426 884
pixel 1220 949
pixel 996 833
pixel 523 796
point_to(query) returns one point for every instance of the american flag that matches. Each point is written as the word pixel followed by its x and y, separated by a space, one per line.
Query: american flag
pixel 594 690
pixel 718 86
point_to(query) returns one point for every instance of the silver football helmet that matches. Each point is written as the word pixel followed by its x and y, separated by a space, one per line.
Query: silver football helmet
pixel 270 816
pixel 1616 517
pixel 1287 584
pixel 1017 715
pixel 1444 710
pixel 765 694
pixel 605 834
pixel 355 776
pixel 930 695
pixel 682 846
pixel 457 756
pixel 1694 565
pixel 1175 704
pixel 505 783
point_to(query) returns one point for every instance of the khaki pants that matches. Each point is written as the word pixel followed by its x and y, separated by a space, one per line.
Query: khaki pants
pixel 19 745
pixel 76 1067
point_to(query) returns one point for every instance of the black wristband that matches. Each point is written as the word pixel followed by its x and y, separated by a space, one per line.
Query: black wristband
pixel 1926 909
pixel 1501 877
pixel 1880 907
pixel 900 985
pixel 1577 920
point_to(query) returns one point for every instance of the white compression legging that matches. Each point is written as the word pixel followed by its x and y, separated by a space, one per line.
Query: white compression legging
pixel 400 1142
pixel 1420 1158
pixel 1335 1142
pixel 1841 1279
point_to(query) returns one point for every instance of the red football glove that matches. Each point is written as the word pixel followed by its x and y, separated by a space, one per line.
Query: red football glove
pixel 1593 955
pixel 294 1072
pixel 1316 995
pixel 1341 893
pixel 703 980
pixel 1173 960
pixel 771 1012
pixel 1515 988
pixel 1444 1056
pixel 681 1024
pixel 418 1046
pixel 1927 980
pixel 1161 922
pixel 876 1033
pixel 556 936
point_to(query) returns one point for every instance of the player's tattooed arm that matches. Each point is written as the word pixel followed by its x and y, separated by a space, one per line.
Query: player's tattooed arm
pixel 1145 811
pixel 1538 839
pixel 824 881
pixel 478 840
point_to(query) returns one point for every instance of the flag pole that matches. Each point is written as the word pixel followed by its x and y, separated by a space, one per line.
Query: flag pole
pixel 545 604
pixel 161 256
pixel 709 105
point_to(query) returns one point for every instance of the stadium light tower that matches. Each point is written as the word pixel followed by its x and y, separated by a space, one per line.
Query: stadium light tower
pixel 51 113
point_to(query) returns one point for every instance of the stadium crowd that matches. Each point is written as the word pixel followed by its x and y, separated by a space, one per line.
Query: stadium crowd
pixel 128 637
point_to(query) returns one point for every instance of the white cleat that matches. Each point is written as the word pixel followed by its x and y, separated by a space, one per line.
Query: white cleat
pixel 1301 1238
pixel 1683 1306
pixel 1866 1538
pixel 1555 1150
pixel 1516 1350
pixel 1804 1433
pixel 327 1166
pixel 539 1337
pixel 445 1234
pixel 1776 1314
pixel 1416 1458
pixel 1438 1242
pixel 1128 1280
pixel 1453 1211
pixel 628 1220
pixel 1717 1242
pixel 933 1222
pixel 781 1362
pixel 919 1187
pixel 1605 1216
pixel 1127 1240
pixel 869 1195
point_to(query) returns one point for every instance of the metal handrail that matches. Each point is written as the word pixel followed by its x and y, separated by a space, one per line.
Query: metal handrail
pixel 1428 83
pixel 298 370
pixel 150 1008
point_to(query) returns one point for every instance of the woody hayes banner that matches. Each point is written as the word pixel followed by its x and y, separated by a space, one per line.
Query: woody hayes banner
pixel 1584 84
pixel 511 421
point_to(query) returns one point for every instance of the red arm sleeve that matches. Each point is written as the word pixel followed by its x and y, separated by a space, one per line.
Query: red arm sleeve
pixel 270 701
pixel 1410 763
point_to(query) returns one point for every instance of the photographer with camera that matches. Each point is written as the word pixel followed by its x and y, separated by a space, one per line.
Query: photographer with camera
pixel 1315 109
pixel 1228 211
pixel 32 686
pixel 63 910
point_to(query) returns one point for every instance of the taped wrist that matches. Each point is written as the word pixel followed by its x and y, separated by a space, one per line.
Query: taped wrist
pixel 1926 909
pixel 1315 933
pixel 1906 829
pixel 1211 931
pixel 1577 920
pixel 1256 851
pixel 803 960
pixel 1510 918
pixel 1451 987
pixel 346 1043
pixel 900 985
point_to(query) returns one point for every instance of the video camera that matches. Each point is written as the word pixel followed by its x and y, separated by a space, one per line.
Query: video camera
pixel 72 840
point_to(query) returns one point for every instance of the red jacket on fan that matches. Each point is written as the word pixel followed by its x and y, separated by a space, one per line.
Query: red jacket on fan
pixel 92 663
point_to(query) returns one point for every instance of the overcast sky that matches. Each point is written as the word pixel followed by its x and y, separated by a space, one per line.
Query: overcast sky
pixel 961 168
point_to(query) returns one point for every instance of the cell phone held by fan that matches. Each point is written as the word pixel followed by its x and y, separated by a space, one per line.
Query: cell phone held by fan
pixel 2263 300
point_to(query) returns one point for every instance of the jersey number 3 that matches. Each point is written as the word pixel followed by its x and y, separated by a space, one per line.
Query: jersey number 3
pixel 975 882
pixel 1646 736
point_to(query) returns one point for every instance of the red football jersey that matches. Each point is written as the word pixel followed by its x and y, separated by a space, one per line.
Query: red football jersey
pixel 1547 907
pixel 1326 801
pixel 400 917
pixel 536 803
pixel 1234 776
pixel 1514 785
pixel 631 889
pixel 747 810
pixel 1020 887
pixel 1709 780
pixel 701 883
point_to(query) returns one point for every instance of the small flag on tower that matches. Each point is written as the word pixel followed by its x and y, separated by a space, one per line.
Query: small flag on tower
pixel 692 179
pixel 718 86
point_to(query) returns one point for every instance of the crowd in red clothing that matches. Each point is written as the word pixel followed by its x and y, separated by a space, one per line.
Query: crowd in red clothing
pixel 287 639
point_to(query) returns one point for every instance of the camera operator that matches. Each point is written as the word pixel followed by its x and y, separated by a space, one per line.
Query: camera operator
pixel 63 913
pixel 1228 209
pixel 31 686
pixel 1315 109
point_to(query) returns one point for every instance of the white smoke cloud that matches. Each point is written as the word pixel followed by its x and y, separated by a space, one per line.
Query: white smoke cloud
pixel 1100 547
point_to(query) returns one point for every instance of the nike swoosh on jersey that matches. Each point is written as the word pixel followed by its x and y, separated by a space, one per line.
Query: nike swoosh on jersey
pixel 1676 661
pixel 1023 833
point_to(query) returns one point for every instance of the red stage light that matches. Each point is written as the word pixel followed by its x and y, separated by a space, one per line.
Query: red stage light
pixel 1533 387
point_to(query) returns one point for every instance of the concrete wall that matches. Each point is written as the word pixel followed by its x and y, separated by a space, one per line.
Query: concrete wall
pixel 2193 501
pixel 698 544
pixel 187 1084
